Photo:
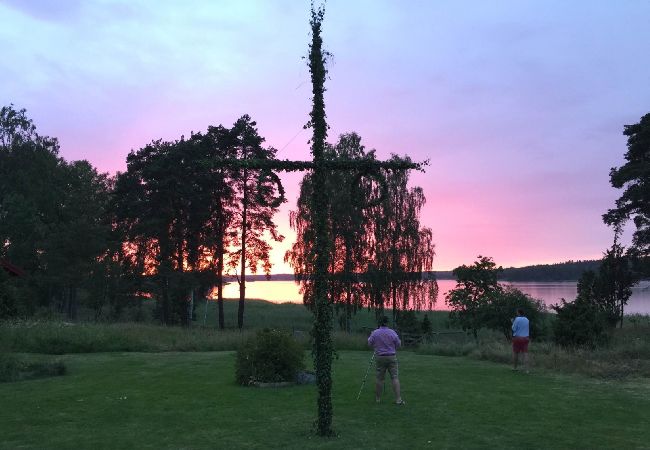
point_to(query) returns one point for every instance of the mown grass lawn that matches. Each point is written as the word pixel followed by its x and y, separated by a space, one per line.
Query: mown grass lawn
pixel 190 401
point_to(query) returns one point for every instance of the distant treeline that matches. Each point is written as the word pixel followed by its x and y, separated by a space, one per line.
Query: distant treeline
pixel 566 271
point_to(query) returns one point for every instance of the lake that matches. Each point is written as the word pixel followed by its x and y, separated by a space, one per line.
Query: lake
pixel 549 292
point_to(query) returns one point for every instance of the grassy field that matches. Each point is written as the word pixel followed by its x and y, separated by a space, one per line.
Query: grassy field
pixel 189 400
pixel 257 314
pixel 55 336
pixel 627 354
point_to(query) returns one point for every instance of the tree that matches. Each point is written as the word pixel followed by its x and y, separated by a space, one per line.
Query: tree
pixel 427 328
pixel 254 217
pixel 181 213
pixel 609 287
pixel 379 253
pixel 53 214
pixel 615 278
pixel 169 207
pixel 476 288
pixel 349 227
pixel 221 140
pixel 16 129
pixel 148 213
pixel 401 250
pixel 408 323
pixel 79 238
pixel 32 188
pixel 8 307
pixel 349 224
pixel 499 313
pixel 581 322
pixel 634 178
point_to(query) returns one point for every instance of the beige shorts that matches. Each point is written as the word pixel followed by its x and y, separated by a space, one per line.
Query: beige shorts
pixel 386 363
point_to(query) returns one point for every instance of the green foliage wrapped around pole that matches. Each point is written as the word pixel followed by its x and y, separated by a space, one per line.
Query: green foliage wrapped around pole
pixel 319 256
pixel 322 331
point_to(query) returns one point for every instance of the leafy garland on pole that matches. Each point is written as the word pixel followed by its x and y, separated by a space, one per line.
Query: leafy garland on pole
pixel 323 313
pixel 322 331
pixel 267 176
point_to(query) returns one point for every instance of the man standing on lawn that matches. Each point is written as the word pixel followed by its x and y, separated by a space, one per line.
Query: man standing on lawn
pixel 520 337
pixel 385 342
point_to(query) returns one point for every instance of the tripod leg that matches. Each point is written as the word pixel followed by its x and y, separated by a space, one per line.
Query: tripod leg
pixel 363 383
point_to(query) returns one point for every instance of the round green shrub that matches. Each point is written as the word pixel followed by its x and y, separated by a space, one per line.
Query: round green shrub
pixel 270 356
pixel 579 324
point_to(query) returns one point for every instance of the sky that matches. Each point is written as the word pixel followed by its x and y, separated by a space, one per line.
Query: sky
pixel 519 105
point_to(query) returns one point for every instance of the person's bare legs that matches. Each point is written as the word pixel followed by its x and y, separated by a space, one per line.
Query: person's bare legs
pixel 515 360
pixel 379 387
pixel 397 390
pixel 524 361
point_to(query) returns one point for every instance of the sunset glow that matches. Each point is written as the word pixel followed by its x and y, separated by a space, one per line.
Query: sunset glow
pixel 519 106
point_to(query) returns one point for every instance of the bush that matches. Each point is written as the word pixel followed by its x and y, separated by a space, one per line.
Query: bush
pixel 15 369
pixel 638 320
pixel 447 348
pixel 407 322
pixel 579 324
pixel 348 341
pixel 7 297
pixel 270 356
pixel 60 338
pixel 427 328
pixel 498 314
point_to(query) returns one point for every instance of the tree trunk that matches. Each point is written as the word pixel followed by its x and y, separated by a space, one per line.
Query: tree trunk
pixel 621 315
pixel 190 310
pixel 220 257
pixel 348 284
pixel 393 294
pixel 220 291
pixel 164 310
pixel 242 279
pixel 71 303
pixel 348 310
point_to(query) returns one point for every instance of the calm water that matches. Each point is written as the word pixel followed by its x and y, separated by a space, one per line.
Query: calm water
pixel 549 292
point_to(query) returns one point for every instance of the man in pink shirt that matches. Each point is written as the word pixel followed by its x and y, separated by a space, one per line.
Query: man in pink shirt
pixel 385 343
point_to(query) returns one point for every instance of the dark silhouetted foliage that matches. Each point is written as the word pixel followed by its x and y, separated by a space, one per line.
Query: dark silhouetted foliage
pixel 582 322
pixel 476 288
pixel 268 357
pixel 634 178
pixel 500 312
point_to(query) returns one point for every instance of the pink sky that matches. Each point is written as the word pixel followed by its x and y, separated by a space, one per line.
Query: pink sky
pixel 518 105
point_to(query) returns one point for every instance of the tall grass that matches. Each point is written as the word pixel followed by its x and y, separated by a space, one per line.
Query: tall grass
pixel 60 337
pixel 15 368
pixel 294 316
pixel 627 354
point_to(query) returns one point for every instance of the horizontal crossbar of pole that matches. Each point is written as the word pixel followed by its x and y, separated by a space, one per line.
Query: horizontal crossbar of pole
pixel 325 164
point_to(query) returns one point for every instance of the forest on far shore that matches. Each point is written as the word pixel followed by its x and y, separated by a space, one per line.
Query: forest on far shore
pixel 565 271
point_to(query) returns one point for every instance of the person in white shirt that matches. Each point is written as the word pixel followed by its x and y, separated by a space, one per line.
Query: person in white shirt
pixel 520 338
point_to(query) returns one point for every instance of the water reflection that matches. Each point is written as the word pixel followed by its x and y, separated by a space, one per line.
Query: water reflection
pixel 548 292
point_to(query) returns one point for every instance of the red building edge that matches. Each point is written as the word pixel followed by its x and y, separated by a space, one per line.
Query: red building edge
pixel 11 269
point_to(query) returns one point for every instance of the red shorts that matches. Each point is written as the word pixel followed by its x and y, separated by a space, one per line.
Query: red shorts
pixel 520 344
